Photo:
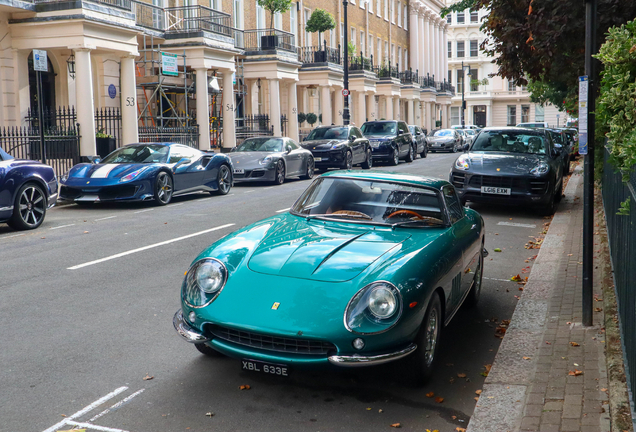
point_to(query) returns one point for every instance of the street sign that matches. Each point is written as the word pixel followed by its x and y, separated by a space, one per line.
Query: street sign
pixel 39 61
pixel 583 95
pixel 345 92
pixel 169 64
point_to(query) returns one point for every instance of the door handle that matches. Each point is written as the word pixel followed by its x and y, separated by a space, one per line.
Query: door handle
pixel 474 226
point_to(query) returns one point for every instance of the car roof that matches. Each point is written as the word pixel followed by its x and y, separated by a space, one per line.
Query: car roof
pixel 537 131
pixel 388 176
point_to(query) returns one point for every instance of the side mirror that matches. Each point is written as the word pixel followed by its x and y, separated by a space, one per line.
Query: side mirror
pixel 352 138
pixel 181 162
pixel 400 131
pixel 466 146
pixel 94 159
pixel 288 150
pixel 233 149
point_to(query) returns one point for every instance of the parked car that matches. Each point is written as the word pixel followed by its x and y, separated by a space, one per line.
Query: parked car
pixel 573 135
pixel 27 189
pixel 471 127
pixel 419 140
pixel 469 137
pixel 154 171
pixel 562 141
pixel 339 147
pixel 510 166
pixel 271 159
pixel 390 140
pixel 533 125
pixel 366 268
pixel 445 140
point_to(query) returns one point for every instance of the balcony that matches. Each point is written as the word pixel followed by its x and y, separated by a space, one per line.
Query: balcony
pixel 188 19
pixel 387 72
pixel 78 4
pixel 409 77
pixel 360 63
pixel 264 40
pixel 427 82
pixel 319 54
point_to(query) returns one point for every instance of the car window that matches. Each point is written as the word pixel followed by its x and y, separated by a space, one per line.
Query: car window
pixel 292 144
pixel 261 144
pixel 444 132
pixel 403 126
pixel 357 132
pixel 379 128
pixel 151 153
pixel 510 142
pixel 328 133
pixel 455 210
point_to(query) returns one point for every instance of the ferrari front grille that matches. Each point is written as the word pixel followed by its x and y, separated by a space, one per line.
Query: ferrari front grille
pixel 271 343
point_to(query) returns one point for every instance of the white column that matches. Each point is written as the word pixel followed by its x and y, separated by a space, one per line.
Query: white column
pixel 292 116
pixel 203 115
pixel 339 105
pixel 414 39
pixel 411 112
pixel 128 99
pixel 254 96
pixel 84 101
pixel 370 103
pixel 445 50
pixel 389 108
pixel 422 121
pixel 442 72
pixel 361 112
pixel 435 50
pixel 274 106
pixel 422 43
pixel 430 45
pixel 325 104
pixel 229 128
pixel 396 108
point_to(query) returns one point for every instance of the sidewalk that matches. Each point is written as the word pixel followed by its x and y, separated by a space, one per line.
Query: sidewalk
pixel 550 373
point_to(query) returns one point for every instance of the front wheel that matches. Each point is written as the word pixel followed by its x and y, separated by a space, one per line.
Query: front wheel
pixel 224 180
pixel 163 189
pixel 422 361
pixel 311 166
pixel 29 207
pixel 348 162
pixel 280 173
pixel 475 288
pixel 395 157
pixel 425 151
pixel 411 155
pixel 368 163
pixel 454 148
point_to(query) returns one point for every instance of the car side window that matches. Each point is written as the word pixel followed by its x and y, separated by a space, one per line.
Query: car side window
pixel 455 210
pixel 292 144
pixel 357 133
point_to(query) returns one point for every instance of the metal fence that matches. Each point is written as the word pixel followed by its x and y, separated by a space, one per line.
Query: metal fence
pixel 188 135
pixel 622 242
pixel 149 16
pixel 357 63
pixel 269 39
pixel 196 18
pixel 61 145
pixel 319 54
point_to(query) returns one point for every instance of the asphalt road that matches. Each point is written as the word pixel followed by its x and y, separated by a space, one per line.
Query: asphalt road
pixel 86 315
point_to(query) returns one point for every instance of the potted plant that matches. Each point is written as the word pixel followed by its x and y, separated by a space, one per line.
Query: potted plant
pixel 301 118
pixel 104 143
pixel 320 21
pixel 273 6
pixel 311 119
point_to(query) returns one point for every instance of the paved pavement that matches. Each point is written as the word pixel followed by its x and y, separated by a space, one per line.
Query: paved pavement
pixel 550 374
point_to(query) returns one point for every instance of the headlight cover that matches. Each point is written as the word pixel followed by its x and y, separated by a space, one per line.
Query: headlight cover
pixel 203 282
pixel 64 177
pixel 540 169
pixel 374 309
pixel 266 160
pixel 462 162
pixel 132 175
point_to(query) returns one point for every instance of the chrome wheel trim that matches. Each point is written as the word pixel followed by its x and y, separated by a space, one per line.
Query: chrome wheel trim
pixel 311 166
pixel 31 206
pixel 369 159
pixel 224 179
pixel 280 172
pixel 432 330
pixel 349 161
pixel 396 156
pixel 164 188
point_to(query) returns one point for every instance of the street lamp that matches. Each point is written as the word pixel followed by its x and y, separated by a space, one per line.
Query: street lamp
pixel 463 90
pixel 345 93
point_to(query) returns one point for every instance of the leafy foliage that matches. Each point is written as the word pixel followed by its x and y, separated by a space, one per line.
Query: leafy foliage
pixel 351 47
pixel 320 21
pixel 301 117
pixel 625 207
pixel 616 106
pixel 274 7
pixel 312 118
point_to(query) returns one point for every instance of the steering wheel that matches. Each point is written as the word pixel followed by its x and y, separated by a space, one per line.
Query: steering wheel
pixel 352 213
pixel 406 212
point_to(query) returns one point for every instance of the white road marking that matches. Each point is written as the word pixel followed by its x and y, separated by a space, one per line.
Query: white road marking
pixel 175 205
pixel 142 211
pixel 117 405
pixel 119 255
pixel 61 226
pixel 283 210
pixel 514 224
pixel 249 191
pixel 86 409
pixel 104 218
pixel 269 187
pixel 14 235
pixel 95 427
pixel 227 195
pixel 205 199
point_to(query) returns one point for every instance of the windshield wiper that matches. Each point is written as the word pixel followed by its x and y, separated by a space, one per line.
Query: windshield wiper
pixel 328 215
pixel 431 221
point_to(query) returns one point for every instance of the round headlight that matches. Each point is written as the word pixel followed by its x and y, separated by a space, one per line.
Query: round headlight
pixel 382 302
pixel 210 276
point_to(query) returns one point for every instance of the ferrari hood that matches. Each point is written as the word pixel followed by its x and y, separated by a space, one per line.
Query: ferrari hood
pixel 102 171
pixel 503 163
pixel 250 160
pixel 322 252
pixel 321 144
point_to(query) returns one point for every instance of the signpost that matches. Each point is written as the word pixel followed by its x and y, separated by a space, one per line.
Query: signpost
pixel 169 64
pixel 583 97
pixel 40 64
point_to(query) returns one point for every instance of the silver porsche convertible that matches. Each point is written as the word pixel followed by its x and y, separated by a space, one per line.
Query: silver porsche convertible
pixel 271 159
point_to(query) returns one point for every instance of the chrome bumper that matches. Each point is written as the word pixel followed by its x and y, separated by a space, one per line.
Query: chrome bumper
pixel 186 331
pixel 358 360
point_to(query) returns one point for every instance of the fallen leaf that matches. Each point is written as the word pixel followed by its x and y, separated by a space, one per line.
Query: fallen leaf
pixel 478 392
pixel 461 375
pixel 569 322
pixel 380 410
pixel 430 394
pixel 42 238
pixel 520 288
pixel 526 358
pixel 396 425
pixel 516 278
pixel 598 309
pixel 575 372
pixel 575 344
pixel 497 249
pixel 603 389
pixel 477 399
pixel 487 367
pixel 368 409
pixel 460 429
pixel 454 417
pixel 244 387
pixel 148 377
pixel 439 399
pixel 85 232
pixel 548 343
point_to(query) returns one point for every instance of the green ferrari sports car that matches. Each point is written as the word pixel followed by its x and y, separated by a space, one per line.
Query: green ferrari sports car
pixel 366 268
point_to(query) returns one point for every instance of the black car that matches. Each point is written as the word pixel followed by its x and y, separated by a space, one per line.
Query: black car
pixel 560 138
pixel 445 140
pixel 419 140
pixel 510 166
pixel 338 147
pixel 390 140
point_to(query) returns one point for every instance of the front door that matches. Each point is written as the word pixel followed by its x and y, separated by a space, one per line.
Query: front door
pixel 479 115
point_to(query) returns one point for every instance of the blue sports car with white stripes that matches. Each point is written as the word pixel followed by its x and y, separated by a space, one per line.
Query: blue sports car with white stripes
pixel 148 171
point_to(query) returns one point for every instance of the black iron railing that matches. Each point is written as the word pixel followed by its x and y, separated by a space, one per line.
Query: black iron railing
pixel 427 81
pixel 357 63
pixel 239 38
pixel 183 19
pixel 268 40
pixel 621 230
pixel 319 54
pixel 188 135
pixel 149 16
pixel 409 77
pixel 253 126
pixel 444 86
pixel 120 4
pixel 386 71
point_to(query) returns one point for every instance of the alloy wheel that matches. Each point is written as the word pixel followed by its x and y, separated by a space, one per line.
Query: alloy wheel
pixel 32 206
pixel 224 180
pixel 163 189
pixel 280 173
pixel 311 166
pixel 348 160
pixel 432 329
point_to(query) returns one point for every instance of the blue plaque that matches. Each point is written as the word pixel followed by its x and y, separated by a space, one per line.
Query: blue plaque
pixel 112 91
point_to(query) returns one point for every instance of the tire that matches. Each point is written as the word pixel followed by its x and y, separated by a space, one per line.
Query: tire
pixel 210 352
pixel 423 360
pixel 29 207
pixel 348 162
pixel 368 163
pixel 454 148
pixel 424 152
pixel 410 155
pixel 163 188
pixel 550 208
pixel 223 180
pixel 311 167
pixel 394 160
pixel 559 192
pixel 475 287
pixel 279 178
pixel 566 169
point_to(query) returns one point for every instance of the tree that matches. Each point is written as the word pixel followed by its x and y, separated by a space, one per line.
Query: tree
pixel 274 7
pixel 311 118
pixel 301 117
pixel 320 21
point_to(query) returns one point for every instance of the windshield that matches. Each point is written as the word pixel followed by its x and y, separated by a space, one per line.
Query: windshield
pixel 261 145
pixel 370 201
pixel 510 142
pixel 469 131
pixel 443 133
pixel 147 153
pixel 328 133
pixel 379 129
pixel 557 137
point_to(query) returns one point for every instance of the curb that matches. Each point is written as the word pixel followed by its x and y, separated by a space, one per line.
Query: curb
pixel 501 404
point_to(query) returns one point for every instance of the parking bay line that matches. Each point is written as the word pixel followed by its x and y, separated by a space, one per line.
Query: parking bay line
pixel 104 218
pixel 61 226
pixel 142 211
pixel 514 224
pixel 119 255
